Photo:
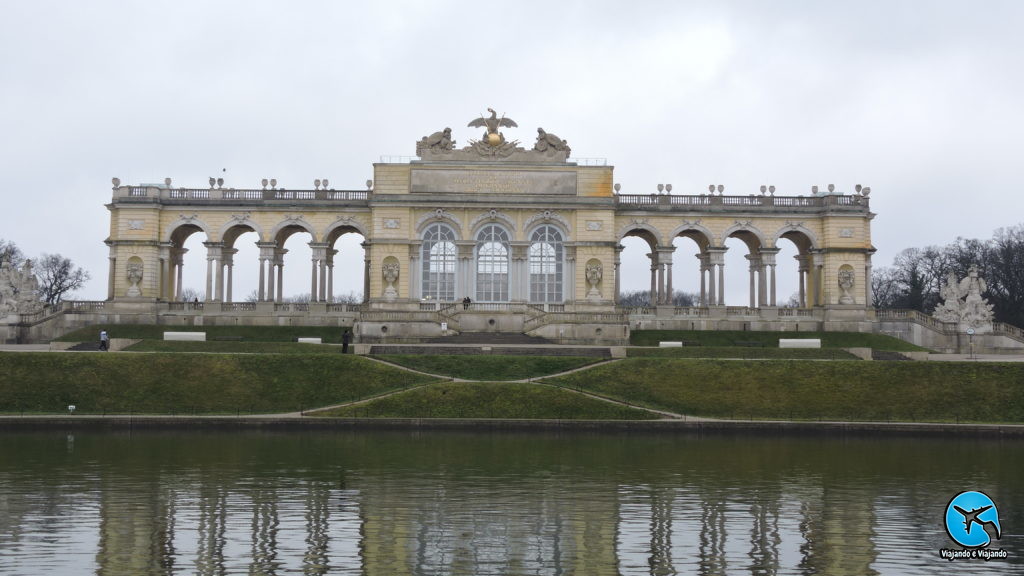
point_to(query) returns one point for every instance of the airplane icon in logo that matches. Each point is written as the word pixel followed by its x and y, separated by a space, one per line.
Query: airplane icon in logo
pixel 971 517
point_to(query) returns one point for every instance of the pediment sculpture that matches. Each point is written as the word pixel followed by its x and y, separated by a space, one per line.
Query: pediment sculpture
pixel 492 145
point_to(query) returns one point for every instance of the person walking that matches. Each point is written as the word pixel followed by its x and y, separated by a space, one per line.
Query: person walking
pixel 104 341
pixel 345 339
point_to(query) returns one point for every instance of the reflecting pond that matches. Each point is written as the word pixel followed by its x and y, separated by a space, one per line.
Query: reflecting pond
pixel 415 502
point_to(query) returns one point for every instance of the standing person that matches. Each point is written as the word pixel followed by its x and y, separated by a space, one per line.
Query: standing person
pixel 104 340
pixel 345 339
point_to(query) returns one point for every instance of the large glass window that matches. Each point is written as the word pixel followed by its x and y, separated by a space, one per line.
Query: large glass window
pixel 492 264
pixel 546 264
pixel 439 257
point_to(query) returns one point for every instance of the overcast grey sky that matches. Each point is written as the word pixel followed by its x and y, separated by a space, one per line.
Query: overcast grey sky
pixel 919 100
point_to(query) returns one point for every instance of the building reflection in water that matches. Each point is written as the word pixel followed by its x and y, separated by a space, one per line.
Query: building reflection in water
pixel 425 520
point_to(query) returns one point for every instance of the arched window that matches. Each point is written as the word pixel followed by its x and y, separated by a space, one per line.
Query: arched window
pixel 439 257
pixel 492 264
pixel 546 265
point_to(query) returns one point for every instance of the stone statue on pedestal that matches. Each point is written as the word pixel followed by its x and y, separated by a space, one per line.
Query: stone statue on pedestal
pixel 594 274
pixel 846 279
pixel 964 304
pixel 390 270
pixel 134 277
pixel 19 289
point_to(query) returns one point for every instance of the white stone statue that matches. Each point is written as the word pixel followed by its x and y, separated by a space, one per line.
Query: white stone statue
pixel 964 304
pixel 845 285
pixel 390 277
pixel 594 274
pixel 134 277
pixel 19 289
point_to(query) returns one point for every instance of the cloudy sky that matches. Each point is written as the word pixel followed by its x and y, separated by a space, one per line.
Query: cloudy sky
pixel 919 100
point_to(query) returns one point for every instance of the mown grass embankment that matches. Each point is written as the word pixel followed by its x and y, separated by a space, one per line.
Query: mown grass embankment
pixel 503 400
pixel 801 390
pixel 233 347
pixel 743 352
pixel 181 383
pixel 726 338
pixel 244 333
pixel 480 367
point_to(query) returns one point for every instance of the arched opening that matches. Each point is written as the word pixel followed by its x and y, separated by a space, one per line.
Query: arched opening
pixel 745 278
pixel 546 257
pixel 689 269
pixel 492 264
pixel 438 256
pixel 240 264
pixel 188 258
pixel 793 268
pixel 298 281
pixel 346 266
pixel 637 280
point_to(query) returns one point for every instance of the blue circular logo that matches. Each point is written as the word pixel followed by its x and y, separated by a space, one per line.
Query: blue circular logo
pixel 972 520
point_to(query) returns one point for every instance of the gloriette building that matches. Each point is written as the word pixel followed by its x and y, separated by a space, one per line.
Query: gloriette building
pixel 529 234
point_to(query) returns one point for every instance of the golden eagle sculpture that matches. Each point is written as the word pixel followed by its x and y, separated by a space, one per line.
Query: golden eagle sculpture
pixel 492 123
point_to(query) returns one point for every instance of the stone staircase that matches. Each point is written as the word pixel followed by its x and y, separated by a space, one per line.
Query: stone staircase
pixel 887 355
pixel 489 339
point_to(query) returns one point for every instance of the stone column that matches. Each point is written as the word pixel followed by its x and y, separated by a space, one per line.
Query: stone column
pixel 165 271
pixel 318 280
pixel 617 265
pixel 280 278
pixel 265 291
pixel 330 274
pixel 665 264
pixel 518 274
pixel 465 271
pixel 819 279
pixel 366 271
pixel 180 265
pixel 210 257
pixel 754 264
pixel 767 293
pixel 868 296
pixel 717 261
pixel 653 300
pixel 111 276
pixel 416 270
pixel 721 284
pixel 229 263
pixel 703 258
pixel 712 297
pixel 569 284
pixel 802 272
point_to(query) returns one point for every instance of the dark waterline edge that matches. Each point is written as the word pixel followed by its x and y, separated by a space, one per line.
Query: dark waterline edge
pixel 1008 431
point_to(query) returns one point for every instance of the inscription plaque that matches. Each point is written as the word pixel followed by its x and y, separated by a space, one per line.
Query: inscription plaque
pixel 493 182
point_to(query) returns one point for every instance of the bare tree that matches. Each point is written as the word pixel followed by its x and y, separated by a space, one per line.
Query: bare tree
pixel 631 298
pixel 57 277
pixel 10 254
pixel 191 295
pixel 350 298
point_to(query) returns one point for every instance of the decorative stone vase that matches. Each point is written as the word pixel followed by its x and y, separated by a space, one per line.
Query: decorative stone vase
pixel 390 270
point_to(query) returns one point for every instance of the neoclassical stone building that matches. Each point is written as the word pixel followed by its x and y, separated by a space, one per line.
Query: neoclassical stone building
pixel 530 235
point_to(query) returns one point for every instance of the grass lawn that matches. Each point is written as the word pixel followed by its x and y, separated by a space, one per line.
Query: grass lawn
pixel 233 347
pixel 481 367
pixel 794 389
pixel 245 333
pixel 183 383
pixel 507 400
pixel 743 352
pixel 718 338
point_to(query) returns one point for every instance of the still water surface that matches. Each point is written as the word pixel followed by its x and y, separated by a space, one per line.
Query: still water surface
pixel 391 503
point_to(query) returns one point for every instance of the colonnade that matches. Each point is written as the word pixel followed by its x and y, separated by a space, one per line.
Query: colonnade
pixel 220 272
pixel 762 274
